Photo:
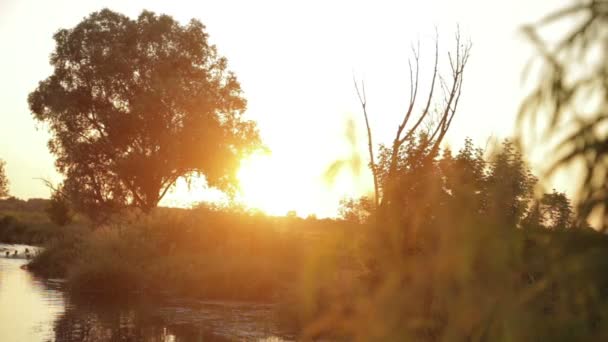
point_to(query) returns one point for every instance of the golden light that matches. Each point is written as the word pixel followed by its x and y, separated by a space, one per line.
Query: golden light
pixel 277 184
pixel 271 185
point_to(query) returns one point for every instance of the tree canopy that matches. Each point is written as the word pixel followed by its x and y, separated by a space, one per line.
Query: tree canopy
pixel 134 104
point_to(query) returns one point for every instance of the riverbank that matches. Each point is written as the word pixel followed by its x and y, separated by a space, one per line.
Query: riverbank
pixel 316 273
pixel 199 253
pixel 40 309
pixel 27 222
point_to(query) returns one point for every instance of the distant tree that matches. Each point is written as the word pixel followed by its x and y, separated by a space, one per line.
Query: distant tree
pixel 557 213
pixel 3 180
pixel 465 176
pixel 58 210
pixel 569 99
pixel 551 211
pixel 510 185
pixel 312 217
pixel 357 210
pixel 135 104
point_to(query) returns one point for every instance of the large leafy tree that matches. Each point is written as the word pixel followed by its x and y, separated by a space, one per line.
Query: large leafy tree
pixel 135 104
pixel 3 180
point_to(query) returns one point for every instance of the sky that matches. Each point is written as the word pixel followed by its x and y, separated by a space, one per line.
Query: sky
pixel 295 61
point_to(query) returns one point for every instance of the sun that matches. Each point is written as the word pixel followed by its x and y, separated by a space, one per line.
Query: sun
pixel 275 184
pixel 279 183
pixel 271 185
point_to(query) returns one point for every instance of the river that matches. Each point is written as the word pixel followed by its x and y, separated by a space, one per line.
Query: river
pixel 35 309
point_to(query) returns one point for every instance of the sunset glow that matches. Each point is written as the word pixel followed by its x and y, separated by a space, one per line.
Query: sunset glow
pixel 298 83
pixel 266 186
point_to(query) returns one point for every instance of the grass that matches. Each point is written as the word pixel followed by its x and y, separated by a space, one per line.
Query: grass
pixel 473 281
pixel 199 253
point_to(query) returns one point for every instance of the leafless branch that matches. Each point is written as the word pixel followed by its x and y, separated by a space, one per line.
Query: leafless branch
pixel 437 125
pixel 363 100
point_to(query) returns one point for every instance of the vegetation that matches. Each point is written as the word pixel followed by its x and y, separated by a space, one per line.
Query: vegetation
pixel 3 180
pixel 58 210
pixel 464 246
pixel 201 253
pixel 434 122
pixel 468 252
pixel 463 251
pixel 24 222
pixel 135 104
pixel 572 89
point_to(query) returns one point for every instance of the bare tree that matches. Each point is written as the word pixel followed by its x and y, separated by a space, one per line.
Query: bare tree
pixel 372 163
pixel 413 123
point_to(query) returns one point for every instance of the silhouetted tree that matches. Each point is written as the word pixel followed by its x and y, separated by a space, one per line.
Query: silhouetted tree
pixel 435 123
pixel 572 88
pixel 357 210
pixel 3 180
pixel 135 104
pixel 58 210
pixel 556 211
pixel 510 186
pixel 465 176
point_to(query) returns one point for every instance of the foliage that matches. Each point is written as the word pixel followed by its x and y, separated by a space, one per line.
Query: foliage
pixel 572 89
pixel 458 255
pixel 28 222
pixel 199 253
pixel 60 250
pixel 552 211
pixel 432 124
pixel 3 180
pixel 358 210
pixel 135 104
pixel 15 227
pixel 465 252
pixel 58 210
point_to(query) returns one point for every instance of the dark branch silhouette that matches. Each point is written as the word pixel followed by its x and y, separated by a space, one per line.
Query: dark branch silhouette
pixel 407 129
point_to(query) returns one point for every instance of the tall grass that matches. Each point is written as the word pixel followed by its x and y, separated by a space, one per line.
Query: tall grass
pixel 200 253
pixel 459 278
pixel 472 281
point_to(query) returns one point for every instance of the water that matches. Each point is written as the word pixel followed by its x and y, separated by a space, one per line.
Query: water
pixel 35 309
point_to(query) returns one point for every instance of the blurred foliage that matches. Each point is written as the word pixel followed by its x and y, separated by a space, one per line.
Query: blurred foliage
pixel 464 251
pixel 570 97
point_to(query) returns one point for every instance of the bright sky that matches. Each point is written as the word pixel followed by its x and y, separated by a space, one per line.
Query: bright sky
pixel 295 61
